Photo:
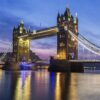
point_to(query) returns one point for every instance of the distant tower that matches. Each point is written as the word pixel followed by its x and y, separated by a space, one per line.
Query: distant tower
pixel 66 45
pixel 20 45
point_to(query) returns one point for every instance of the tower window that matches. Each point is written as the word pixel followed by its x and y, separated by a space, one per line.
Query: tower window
pixel 62 36
pixel 62 44
pixel 21 30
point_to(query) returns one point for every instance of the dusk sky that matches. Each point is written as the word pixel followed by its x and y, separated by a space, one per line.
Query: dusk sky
pixel 43 13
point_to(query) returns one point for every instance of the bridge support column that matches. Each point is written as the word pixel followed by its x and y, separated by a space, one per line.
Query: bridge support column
pixel 59 65
pixel 67 46
pixel 21 46
pixel 23 49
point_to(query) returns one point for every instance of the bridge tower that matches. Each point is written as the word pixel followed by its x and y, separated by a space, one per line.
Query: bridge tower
pixel 67 47
pixel 21 46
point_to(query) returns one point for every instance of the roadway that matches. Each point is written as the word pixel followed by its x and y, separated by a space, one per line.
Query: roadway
pixel 85 61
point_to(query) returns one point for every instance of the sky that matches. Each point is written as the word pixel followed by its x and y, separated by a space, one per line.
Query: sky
pixel 43 13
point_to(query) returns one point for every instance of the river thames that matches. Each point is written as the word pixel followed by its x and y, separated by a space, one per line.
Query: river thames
pixel 44 85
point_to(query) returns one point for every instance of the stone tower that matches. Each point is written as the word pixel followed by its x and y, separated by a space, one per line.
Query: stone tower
pixel 20 45
pixel 67 46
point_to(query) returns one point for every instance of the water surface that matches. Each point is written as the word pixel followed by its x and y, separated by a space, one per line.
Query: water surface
pixel 43 85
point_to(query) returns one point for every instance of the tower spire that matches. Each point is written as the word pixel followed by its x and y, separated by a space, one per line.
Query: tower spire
pixel 22 22
pixel 58 17
pixel 58 14
pixel 76 14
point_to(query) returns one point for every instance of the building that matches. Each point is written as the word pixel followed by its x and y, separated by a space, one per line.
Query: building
pixel 67 46
pixel 21 46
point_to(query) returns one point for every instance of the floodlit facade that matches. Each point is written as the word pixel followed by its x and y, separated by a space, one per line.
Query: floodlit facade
pixel 67 46
pixel 21 46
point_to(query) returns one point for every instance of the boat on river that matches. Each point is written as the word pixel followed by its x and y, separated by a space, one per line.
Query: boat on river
pixel 25 65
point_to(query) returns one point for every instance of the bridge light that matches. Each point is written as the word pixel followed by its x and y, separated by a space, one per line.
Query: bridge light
pixel 58 55
pixel 21 30
pixel 57 30
pixel 27 41
pixel 20 39
pixel 69 19
pixel 75 21
pixel 73 39
pixel 66 28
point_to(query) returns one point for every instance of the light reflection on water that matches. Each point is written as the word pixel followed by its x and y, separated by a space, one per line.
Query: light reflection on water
pixel 23 86
pixel 73 90
pixel 42 85
pixel 57 87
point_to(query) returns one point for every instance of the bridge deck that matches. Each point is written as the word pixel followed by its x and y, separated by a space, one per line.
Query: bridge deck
pixel 85 61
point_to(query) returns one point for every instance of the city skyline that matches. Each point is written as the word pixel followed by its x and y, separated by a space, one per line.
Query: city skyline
pixel 38 17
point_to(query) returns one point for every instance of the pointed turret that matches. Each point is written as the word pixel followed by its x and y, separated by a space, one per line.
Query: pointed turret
pixel 67 13
pixel 21 28
pixel 76 15
pixel 72 18
pixel 14 29
pixel 76 18
pixel 29 29
pixel 62 16
pixel 22 22
pixel 76 23
pixel 58 17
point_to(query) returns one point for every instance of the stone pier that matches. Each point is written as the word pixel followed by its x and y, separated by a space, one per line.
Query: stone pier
pixel 65 66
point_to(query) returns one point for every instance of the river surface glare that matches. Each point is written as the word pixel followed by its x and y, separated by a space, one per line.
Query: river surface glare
pixel 43 85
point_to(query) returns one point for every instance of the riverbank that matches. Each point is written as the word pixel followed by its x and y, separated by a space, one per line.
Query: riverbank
pixel 11 66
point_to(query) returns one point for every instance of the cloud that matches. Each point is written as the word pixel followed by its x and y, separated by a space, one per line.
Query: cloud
pixel 45 53
pixel 45 43
pixel 44 47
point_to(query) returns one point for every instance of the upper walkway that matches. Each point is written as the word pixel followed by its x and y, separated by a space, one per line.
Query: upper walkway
pixel 37 34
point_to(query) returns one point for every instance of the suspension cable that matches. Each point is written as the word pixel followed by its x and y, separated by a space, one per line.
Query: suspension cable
pixel 93 45
pixel 85 44
pixel 3 56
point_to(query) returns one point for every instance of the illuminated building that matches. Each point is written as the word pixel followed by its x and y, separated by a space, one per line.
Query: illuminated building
pixel 20 45
pixel 67 47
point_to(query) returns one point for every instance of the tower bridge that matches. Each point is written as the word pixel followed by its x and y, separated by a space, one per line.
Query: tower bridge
pixel 66 47
pixel 68 39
